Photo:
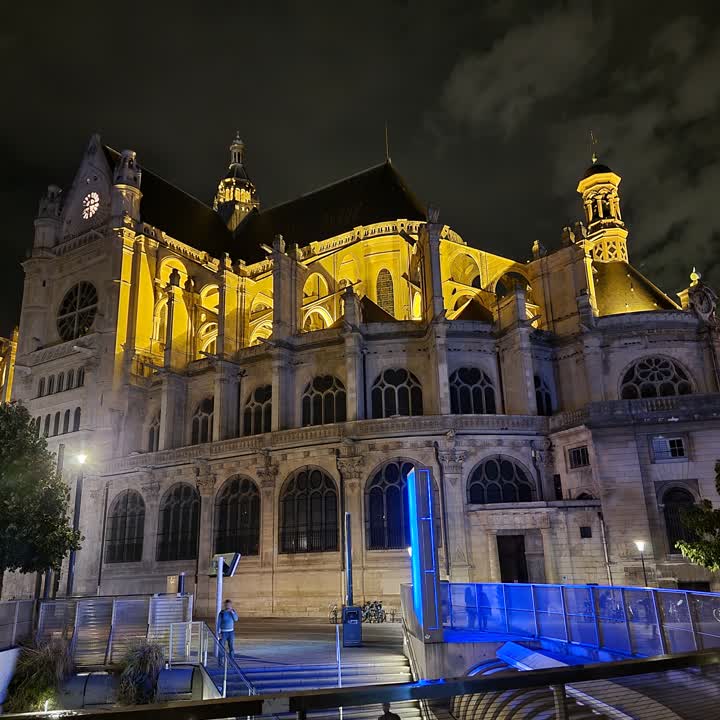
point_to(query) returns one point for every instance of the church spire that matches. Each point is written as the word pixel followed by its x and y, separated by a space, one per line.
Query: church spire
pixel 236 195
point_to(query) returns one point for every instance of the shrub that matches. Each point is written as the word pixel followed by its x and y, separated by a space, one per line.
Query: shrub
pixel 141 667
pixel 39 675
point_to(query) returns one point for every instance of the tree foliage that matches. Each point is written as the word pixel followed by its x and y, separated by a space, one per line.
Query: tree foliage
pixel 703 524
pixel 35 533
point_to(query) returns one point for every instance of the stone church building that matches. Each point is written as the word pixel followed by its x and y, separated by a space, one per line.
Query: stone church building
pixel 239 377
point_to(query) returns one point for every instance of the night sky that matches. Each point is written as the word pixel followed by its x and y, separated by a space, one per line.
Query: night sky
pixel 488 104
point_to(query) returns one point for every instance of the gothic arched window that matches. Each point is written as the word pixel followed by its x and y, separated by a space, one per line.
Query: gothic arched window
pixel 56 424
pixel 76 419
pixel 471 393
pixel 66 422
pixel 202 422
pixel 51 385
pixel 543 396
pixel 154 434
pixel 61 382
pixel 257 416
pixel 675 502
pixel 80 377
pixel 396 392
pixel 387 524
pixel 179 523
pixel 46 428
pixel 323 401
pixel 385 292
pixel 77 311
pixel 500 480
pixel 237 517
pixel 308 512
pixel 70 380
pixel 41 387
pixel 125 527
pixel 652 377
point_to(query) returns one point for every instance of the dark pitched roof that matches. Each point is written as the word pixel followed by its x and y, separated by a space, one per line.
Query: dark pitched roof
pixel 596 169
pixel 372 313
pixel 369 197
pixel 180 215
pixel 475 310
pixel 620 288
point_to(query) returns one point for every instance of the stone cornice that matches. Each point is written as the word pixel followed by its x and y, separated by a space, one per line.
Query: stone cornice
pixel 647 411
pixel 402 427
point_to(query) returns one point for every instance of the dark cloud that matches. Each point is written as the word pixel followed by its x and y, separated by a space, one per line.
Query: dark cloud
pixel 488 105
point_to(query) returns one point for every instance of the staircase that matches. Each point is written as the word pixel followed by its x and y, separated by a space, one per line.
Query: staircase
pixel 380 661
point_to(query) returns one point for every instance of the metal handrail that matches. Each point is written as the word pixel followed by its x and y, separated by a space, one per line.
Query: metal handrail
pixel 304 702
pixel 208 646
pixel 414 669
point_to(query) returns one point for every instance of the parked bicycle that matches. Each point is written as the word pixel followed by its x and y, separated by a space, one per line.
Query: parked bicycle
pixel 333 616
pixel 372 612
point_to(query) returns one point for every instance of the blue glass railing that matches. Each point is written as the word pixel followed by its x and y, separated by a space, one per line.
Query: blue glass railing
pixel 622 620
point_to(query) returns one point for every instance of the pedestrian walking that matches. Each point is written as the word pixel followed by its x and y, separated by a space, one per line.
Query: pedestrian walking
pixel 387 715
pixel 226 627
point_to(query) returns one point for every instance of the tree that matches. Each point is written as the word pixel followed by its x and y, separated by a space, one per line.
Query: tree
pixel 703 525
pixel 35 533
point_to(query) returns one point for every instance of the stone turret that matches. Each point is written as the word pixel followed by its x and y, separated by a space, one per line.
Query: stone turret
pixel 126 194
pixel 236 195
pixel 47 223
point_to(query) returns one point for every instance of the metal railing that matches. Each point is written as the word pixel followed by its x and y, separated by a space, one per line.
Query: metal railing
pixel 101 629
pixel 195 643
pixel 16 622
pixel 622 690
pixel 631 621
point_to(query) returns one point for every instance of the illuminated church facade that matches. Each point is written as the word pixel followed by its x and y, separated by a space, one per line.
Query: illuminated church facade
pixel 240 377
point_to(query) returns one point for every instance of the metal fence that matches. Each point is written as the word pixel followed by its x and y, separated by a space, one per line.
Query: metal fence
pixel 623 620
pixel 682 686
pixel 16 622
pixel 100 629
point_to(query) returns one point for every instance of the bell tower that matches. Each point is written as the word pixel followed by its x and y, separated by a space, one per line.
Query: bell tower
pixel 607 234
pixel 236 195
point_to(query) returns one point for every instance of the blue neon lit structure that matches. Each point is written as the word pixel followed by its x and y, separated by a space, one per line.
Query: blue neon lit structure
pixel 423 559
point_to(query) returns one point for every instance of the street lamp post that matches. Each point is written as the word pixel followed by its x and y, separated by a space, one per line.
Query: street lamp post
pixel 81 459
pixel 640 545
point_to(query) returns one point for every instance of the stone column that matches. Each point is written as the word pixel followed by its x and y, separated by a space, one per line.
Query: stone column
pixel 351 467
pixel 551 575
pixel 451 460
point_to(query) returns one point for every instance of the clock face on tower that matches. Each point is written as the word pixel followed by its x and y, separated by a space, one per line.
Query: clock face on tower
pixel 90 205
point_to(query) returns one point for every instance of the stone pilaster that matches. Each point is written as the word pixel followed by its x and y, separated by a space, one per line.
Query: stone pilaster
pixel 351 467
pixel 594 373
pixel 173 423
pixel 493 556
pixel 205 482
pixel 225 417
pixel 267 473
pixel 282 395
pixel 354 380
pixel 551 574
pixel 451 459
pixel 543 458
pixel 150 489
